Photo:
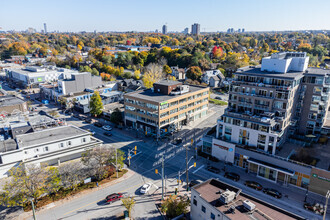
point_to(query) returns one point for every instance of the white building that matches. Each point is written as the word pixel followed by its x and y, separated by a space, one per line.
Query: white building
pixel 50 146
pixel 31 75
pixel 210 73
pixel 217 200
pixel 285 62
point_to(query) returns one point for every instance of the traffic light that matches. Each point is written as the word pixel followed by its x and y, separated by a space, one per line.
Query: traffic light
pixel 135 148
pixel 192 141
pixel 195 164
pixel 135 152
pixel 156 171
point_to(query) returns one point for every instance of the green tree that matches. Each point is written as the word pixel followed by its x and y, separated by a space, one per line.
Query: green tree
pixel 95 72
pixel 194 73
pixel 67 67
pixel 96 105
pixel 116 116
pixel 127 75
pixel 120 158
pixel 54 182
pixel 174 206
pixel 128 203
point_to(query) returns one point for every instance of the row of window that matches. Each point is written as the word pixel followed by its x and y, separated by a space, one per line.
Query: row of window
pixel 212 216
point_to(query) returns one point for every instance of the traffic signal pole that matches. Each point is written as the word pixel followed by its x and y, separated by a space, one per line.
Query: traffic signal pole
pixel 162 177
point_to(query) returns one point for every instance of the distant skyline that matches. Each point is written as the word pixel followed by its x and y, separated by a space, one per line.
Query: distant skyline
pixel 149 15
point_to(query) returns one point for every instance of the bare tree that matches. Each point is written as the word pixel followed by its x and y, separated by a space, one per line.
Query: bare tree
pixel 71 174
pixel 97 159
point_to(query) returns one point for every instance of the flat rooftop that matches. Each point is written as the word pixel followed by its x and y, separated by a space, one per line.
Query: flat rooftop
pixel 209 191
pixel 48 135
pixel 10 100
pixel 317 71
pixel 256 71
pixel 158 97
pixel 167 83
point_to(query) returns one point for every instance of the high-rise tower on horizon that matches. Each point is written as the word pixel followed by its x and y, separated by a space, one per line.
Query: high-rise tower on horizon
pixel 164 30
pixel 45 28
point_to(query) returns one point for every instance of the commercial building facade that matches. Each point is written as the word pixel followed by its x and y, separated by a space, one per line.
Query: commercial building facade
pixel 267 105
pixel 165 107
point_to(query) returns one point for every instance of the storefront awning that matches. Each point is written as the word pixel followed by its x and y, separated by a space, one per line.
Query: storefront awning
pixel 271 166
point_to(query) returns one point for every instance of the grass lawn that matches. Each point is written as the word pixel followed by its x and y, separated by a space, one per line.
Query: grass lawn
pixel 218 102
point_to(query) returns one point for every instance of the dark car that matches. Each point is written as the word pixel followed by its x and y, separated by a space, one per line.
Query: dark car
pixel 231 175
pixel 218 97
pixel 98 124
pixel 253 185
pixel 194 182
pixel 178 141
pixel 113 197
pixel 273 192
pixel 88 120
pixel 107 134
pixel 213 169
pixel 76 116
pixel 24 92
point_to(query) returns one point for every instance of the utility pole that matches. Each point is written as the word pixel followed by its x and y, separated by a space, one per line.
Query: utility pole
pixel 33 211
pixel 187 178
pixel 162 177
pixel 116 163
pixel 326 204
pixel 129 158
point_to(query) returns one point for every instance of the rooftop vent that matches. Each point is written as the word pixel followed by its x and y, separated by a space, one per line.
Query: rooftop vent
pixel 227 196
pixel 249 205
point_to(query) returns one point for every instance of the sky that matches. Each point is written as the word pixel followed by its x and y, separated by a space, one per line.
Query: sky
pixel 149 15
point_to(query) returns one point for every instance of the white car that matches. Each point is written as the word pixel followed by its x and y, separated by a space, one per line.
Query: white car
pixel 145 188
pixel 107 127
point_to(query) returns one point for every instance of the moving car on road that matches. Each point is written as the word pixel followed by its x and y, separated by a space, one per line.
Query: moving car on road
pixel 145 188
pixel 213 169
pixel 218 97
pixel 253 185
pixel 88 120
pixel 231 175
pixel 273 192
pixel 107 127
pixel 113 197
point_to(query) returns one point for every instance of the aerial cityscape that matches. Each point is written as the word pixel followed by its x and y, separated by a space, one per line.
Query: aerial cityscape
pixel 201 110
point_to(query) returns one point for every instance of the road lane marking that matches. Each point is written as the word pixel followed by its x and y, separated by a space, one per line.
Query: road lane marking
pixel 97 201
pixel 198 169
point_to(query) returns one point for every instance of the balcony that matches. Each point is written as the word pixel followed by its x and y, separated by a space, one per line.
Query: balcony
pixel 253 95
pixel 283 88
pixel 261 107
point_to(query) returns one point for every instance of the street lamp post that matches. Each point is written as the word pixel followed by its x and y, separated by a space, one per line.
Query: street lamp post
pixel 33 210
pixel 306 194
pixel 326 204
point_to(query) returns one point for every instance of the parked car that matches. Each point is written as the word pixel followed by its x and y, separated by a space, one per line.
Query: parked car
pixel 253 185
pixel 218 97
pixel 213 169
pixel 82 117
pixel 273 192
pixel 76 116
pixel 231 175
pixel 98 124
pixel 88 120
pixel 107 134
pixel 107 127
pixel 41 105
pixel 145 188
pixel 194 182
pixel 24 92
pixel 113 197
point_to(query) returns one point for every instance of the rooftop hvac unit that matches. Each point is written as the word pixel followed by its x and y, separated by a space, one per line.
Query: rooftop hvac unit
pixel 227 196
pixel 249 205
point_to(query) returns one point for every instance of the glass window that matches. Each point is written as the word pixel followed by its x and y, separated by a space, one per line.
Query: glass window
pixel 317 90
pixel 203 209
pixel 195 202
pixel 212 216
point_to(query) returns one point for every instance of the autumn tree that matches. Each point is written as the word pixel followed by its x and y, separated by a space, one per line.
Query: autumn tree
pixel 174 206
pixel 137 74
pixel 95 72
pixel 194 73
pixel 128 203
pixel 26 182
pixel 167 70
pixel 96 105
pixel 153 73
